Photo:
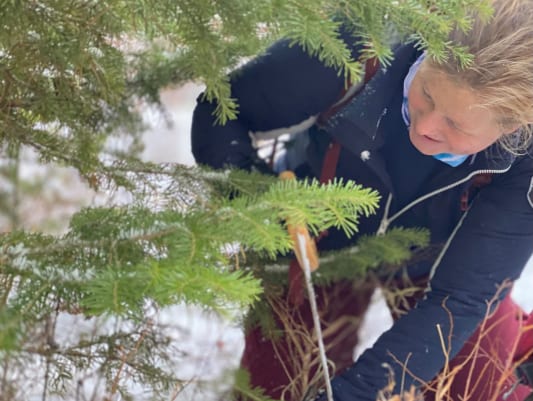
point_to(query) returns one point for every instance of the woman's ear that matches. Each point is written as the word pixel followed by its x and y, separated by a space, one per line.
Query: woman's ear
pixel 508 124
pixel 509 131
pixel 510 127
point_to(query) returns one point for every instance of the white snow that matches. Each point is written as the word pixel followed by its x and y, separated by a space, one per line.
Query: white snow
pixel 522 291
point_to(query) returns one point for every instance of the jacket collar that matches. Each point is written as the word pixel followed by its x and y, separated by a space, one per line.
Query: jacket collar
pixel 356 126
pixel 492 160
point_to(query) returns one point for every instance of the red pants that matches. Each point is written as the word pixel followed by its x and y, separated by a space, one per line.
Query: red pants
pixel 287 366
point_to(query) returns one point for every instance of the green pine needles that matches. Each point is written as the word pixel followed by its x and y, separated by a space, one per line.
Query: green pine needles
pixel 121 262
pixel 70 72
pixel 114 260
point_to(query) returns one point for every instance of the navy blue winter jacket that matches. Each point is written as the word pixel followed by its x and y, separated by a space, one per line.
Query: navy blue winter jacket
pixel 483 246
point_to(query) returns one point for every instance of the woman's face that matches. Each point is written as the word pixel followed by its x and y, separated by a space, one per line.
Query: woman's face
pixel 447 118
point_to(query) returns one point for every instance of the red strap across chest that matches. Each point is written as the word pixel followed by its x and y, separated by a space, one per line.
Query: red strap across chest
pixel 329 167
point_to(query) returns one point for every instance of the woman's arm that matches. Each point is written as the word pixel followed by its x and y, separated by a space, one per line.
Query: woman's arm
pixel 492 245
pixel 279 89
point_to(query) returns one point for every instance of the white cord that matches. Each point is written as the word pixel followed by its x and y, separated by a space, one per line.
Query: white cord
pixel 314 310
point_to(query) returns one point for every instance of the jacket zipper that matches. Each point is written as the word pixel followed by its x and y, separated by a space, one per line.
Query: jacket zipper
pixel 386 221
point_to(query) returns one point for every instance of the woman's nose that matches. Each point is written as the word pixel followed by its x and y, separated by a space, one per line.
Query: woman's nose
pixel 428 124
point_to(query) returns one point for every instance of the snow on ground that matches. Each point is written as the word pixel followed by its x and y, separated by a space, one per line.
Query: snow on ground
pixel 523 289
pixel 168 140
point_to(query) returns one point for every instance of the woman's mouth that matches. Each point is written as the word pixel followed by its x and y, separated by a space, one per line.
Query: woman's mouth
pixel 430 138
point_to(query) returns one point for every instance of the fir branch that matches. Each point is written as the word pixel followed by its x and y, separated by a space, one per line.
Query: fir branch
pixel 372 256
pixel 429 24
pixel 336 204
pixel 380 254
pixel 126 293
pixel 317 33
pixel 371 252
pixel 113 260
pixel 177 187
pixel 85 86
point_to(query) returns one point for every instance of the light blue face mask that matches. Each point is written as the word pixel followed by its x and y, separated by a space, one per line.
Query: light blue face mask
pixel 448 158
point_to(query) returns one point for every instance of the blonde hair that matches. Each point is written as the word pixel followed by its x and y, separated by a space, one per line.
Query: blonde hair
pixel 502 70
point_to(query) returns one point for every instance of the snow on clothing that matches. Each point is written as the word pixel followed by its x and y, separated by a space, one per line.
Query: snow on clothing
pixel 484 246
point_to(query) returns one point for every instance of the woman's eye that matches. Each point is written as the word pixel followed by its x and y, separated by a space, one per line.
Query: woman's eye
pixel 452 124
pixel 454 127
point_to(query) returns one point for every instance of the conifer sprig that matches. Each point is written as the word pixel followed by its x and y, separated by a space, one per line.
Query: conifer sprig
pixel 371 252
pixel 337 204
pixel 114 259
pixel 70 73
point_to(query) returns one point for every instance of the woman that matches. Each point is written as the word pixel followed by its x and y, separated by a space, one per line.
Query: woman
pixel 421 133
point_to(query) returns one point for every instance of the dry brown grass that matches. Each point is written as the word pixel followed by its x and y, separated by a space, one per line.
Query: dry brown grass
pixel 299 345
pixel 300 358
pixel 495 370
